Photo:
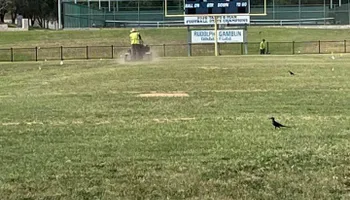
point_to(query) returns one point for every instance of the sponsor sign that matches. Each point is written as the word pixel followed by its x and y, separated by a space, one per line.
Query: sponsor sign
pixel 224 36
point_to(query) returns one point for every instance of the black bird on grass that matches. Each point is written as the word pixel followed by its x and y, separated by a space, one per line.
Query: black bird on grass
pixel 291 73
pixel 276 124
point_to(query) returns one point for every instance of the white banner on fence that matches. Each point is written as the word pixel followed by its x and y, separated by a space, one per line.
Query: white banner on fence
pixel 224 36
pixel 209 20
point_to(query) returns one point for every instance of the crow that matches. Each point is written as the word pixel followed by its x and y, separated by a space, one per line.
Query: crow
pixel 276 124
pixel 291 73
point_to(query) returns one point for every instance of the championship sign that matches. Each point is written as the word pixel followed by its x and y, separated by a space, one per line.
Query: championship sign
pixel 209 20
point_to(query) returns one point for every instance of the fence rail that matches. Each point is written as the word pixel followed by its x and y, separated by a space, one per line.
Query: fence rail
pixel 170 50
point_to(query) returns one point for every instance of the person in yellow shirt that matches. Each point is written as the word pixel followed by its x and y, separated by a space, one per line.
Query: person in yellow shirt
pixel 136 42
pixel 262 47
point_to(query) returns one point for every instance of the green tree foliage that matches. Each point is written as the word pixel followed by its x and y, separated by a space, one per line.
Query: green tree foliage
pixel 4 6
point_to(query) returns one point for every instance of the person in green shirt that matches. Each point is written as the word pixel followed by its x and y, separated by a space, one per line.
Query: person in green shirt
pixel 262 47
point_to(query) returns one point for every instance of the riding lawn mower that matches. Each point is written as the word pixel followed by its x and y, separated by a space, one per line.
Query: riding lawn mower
pixel 144 54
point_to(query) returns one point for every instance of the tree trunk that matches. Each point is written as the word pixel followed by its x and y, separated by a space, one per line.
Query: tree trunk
pixel 13 17
pixel 41 22
pixel 2 18
pixel 32 20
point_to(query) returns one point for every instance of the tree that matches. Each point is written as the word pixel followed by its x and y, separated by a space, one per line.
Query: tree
pixel 35 10
pixel 4 5
pixel 43 10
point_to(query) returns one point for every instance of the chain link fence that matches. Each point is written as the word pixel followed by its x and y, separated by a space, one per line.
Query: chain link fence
pixel 127 13
pixel 170 50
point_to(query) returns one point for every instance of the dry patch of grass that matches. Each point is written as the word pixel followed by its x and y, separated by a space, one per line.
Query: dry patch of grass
pixel 170 94
pixel 174 120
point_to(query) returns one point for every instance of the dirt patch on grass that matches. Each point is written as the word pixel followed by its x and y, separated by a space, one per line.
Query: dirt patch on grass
pixel 155 58
pixel 54 123
pixel 174 120
pixel 232 91
pixel 22 123
pixel 7 96
pixel 10 123
pixel 102 122
pixel 212 68
pixel 77 122
pixel 34 123
pixel 170 94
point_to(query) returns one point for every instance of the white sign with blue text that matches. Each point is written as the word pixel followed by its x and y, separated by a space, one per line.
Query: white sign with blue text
pixel 209 20
pixel 224 36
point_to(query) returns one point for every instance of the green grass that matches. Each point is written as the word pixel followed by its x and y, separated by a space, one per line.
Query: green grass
pixel 119 37
pixel 79 131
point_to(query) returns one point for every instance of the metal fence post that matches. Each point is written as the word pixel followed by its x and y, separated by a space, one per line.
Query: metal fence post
pixel 164 54
pixel 219 53
pixel 344 46
pixel 12 54
pixel 189 42
pixel 61 52
pixel 36 54
pixel 319 47
pixel 242 48
pixel 112 48
pixel 293 47
pixel 87 52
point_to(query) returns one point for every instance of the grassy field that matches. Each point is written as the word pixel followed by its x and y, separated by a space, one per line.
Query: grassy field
pixel 107 37
pixel 81 130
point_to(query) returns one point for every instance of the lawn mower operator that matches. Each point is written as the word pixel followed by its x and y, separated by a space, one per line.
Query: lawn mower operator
pixel 136 44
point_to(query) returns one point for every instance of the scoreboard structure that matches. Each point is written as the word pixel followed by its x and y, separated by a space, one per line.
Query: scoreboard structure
pixel 204 12
pixel 216 7
pixel 215 12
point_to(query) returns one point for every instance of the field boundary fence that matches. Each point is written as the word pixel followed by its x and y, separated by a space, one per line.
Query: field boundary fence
pixel 170 50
